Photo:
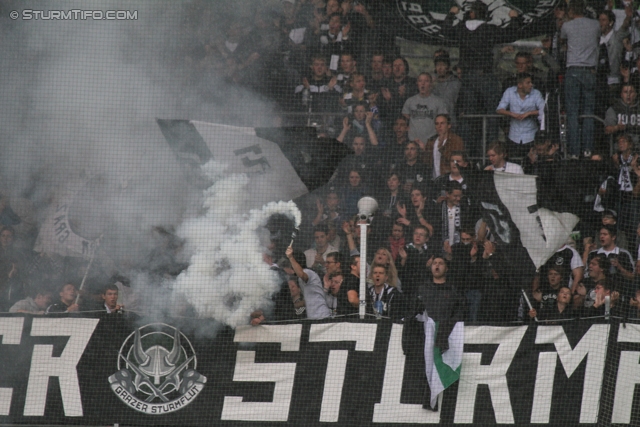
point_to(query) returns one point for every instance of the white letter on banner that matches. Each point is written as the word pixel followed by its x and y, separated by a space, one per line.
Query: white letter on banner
pixel 282 374
pixel 494 375
pixel 628 376
pixel 10 334
pixel 593 344
pixel 44 365
pixel 364 334
pixel 390 410
pixel 543 391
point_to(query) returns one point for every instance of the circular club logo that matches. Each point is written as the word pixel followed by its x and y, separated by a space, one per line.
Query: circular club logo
pixel 157 370
pixel 426 16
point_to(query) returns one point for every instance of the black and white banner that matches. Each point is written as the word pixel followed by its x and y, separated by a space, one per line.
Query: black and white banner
pixel 101 371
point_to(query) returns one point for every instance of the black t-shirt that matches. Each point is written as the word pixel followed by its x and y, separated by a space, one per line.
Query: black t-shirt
pixel 350 283
pixel 551 312
pixel 417 174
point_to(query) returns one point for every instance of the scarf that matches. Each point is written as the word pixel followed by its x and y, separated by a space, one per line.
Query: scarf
pixel 445 222
pixel 624 179
pixel 383 296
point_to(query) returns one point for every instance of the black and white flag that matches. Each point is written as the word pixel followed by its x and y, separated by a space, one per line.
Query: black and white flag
pixel 527 234
pixel 282 163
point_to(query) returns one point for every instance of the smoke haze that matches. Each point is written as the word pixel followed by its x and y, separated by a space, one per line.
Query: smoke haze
pixel 80 99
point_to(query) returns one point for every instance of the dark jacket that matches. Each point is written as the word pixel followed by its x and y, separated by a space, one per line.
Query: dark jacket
pixel 443 304
pixel 476 46
pixel 392 300
pixel 415 270
pixel 551 313
pixel 437 215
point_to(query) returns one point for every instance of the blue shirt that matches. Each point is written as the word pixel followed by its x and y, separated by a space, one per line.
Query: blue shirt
pixel 523 131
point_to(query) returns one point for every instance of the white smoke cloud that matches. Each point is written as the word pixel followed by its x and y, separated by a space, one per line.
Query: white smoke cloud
pixel 227 278
pixel 80 98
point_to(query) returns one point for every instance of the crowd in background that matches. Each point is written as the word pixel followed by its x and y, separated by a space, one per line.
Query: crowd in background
pixel 415 152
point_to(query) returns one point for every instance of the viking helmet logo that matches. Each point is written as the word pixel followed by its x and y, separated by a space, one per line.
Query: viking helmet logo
pixel 156 370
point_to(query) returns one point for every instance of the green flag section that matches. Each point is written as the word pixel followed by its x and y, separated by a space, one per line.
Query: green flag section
pixel 442 368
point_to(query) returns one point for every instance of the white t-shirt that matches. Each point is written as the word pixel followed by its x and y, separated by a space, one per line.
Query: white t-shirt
pixel 510 168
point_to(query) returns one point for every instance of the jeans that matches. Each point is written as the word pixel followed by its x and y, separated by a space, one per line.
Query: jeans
pixel 580 98
pixel 473 303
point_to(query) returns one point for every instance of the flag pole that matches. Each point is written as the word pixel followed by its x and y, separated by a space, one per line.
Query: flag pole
pixel 363 270
pixel 526 298
pixel 86 273
pixel 366 207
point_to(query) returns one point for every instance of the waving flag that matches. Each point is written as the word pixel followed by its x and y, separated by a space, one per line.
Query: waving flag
pixel 56 235
pixel 442 368
pixel 527 232
pixel 282 163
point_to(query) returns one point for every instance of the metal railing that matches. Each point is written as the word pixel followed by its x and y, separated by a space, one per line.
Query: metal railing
pixel 484 118
pixel 562 130
pixel 331 123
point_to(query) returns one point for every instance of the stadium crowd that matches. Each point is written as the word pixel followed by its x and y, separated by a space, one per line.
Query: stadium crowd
pixel 415 152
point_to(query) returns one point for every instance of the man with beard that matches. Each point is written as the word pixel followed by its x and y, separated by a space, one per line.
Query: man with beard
pixel 433 312
pixel 624 115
